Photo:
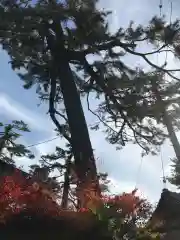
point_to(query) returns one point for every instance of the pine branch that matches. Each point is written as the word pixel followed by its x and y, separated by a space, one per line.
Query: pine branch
pixel 109 93
pixel 80 55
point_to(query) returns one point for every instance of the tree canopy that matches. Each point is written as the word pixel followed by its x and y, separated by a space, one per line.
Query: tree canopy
pixel 121 88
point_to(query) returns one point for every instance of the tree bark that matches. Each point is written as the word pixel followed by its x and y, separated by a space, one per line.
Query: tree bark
pixel 172 135
pixel 81 145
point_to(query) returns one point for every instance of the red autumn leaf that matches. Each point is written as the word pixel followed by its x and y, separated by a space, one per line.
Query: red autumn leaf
pixel 129 203
pixel 17 194
pixel 83 210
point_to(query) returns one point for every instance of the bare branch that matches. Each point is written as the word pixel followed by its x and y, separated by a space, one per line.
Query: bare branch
pixel 100 81
pixel 80 55
pixel 167 71
pixel 95 114
pixel 61 115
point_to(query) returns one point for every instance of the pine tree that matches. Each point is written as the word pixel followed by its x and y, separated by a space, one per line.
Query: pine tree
pixel 162 104
pixel 55 57
pixel 9 147
pixel 167 115
pixel 175 173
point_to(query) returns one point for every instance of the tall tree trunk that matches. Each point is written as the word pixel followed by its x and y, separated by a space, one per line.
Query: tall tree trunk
pixel 81 145
pixel 66 187
pixel 167 122
pixel 2 143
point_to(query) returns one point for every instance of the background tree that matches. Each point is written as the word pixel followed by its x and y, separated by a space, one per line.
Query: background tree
pixel 168 103
pixel 164 107
pixel 160 102
pixel 175 173
pixel 44 48
pixel 9 148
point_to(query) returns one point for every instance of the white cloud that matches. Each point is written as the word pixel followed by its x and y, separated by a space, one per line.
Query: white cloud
pixel 16 111
pixel 126 10
pixel 119 187
pixel 123 167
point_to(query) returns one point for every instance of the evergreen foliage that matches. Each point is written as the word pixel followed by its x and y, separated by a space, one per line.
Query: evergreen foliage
pixel 122 89
pixel 9 148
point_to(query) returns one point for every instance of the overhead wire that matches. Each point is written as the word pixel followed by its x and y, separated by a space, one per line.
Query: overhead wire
pixel 162 162
pixel 163 170
pixel 165 63
pixel 160 7
pixel 141 160
pixel 170 21
pixel 171 11
pixel 161 156
pixel 39 143
pixel 138 173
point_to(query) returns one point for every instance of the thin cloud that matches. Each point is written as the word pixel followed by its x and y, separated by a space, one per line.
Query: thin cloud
pixel 16 111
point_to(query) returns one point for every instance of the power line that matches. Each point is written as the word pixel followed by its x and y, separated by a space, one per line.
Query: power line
pixel 141 161
pixel 171 11
pixel 139 172
pixel 163 172
pixel 161 157
pixel 160 7
pixel 160 14
pixel 50 140
pixel 170 21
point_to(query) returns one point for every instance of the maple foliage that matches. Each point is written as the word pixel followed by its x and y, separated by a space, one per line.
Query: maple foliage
pixel 18 194
pixel 129 203
pixel 119 214
pixel 130 208
pixel 125 215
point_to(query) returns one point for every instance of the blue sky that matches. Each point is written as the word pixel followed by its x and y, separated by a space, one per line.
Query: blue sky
pixel 122 166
